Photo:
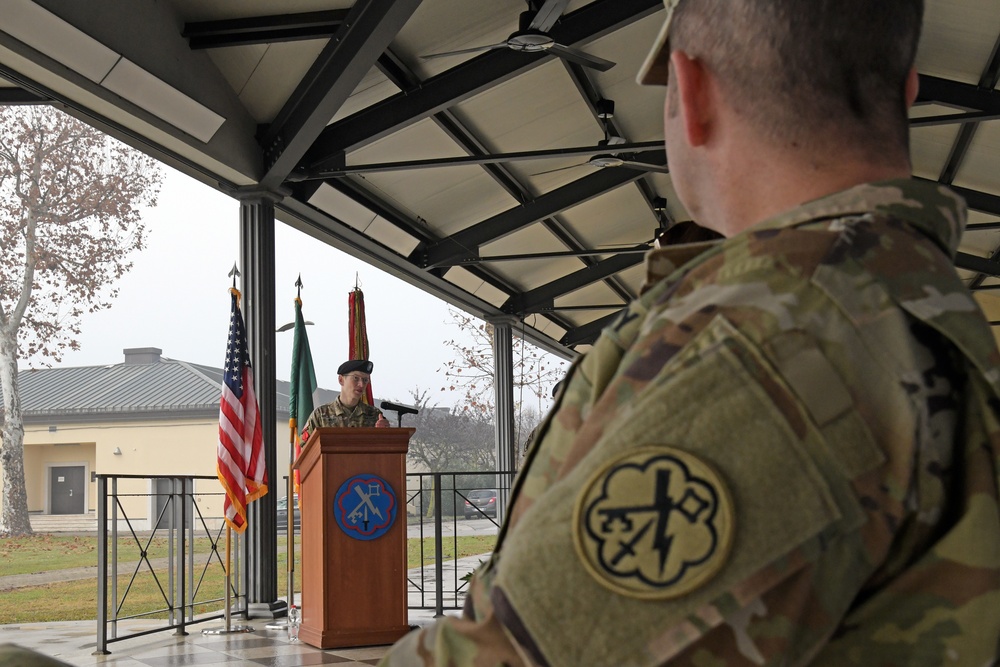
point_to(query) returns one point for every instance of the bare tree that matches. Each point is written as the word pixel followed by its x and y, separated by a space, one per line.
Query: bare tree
pixel 472 373
pixel 449 439
pixel 71 200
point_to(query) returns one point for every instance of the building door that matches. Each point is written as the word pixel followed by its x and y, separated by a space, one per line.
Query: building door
pixel 66 489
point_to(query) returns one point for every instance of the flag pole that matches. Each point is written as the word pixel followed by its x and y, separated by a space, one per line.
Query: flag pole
pixel 229 628
pixel 299 408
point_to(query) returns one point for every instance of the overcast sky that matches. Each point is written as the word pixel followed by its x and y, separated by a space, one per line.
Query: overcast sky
pixel 176 298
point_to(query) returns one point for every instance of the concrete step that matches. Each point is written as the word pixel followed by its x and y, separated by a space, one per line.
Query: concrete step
pixel 63 523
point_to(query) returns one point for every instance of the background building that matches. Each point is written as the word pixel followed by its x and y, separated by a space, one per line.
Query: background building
pixel 149 415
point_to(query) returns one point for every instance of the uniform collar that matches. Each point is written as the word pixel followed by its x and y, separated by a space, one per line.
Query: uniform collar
pixel 930 207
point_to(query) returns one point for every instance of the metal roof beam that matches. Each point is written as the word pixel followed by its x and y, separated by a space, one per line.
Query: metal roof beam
pixel 466 242
pixel 954 94
pixel 987 82
pixel 16 96
pixel 964 260
pixel 263 29
pixel 543 298
pixel 982 226
pixel 365 34
pixel 590 22
pixel 587 333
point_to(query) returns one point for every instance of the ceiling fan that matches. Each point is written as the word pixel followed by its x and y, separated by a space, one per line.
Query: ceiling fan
pixel 605 111
pixel 532 36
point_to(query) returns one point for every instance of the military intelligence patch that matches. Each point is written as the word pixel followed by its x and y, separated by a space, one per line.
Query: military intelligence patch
pixel 655 523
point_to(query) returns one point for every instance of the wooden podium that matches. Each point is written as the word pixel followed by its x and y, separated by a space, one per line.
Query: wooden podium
pixel 353 565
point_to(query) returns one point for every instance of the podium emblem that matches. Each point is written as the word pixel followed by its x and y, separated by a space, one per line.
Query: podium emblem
pixel 365 507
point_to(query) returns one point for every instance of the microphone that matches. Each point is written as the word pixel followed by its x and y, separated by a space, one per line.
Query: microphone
pixel 399 409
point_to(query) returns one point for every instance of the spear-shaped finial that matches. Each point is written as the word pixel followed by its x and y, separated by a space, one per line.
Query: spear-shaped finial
pixel 298 285
pixel 235 273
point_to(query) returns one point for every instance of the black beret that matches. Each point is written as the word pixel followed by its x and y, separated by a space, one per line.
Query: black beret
pixel 355 365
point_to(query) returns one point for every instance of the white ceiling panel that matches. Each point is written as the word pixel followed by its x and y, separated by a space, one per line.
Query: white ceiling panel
pixel 619 218
pixel 958 38
pixel 979 169
pixel 930 147
pixel 265 78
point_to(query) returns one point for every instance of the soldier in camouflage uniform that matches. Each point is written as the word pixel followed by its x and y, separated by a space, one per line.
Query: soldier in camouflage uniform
pixel 785 452
pixel 348 409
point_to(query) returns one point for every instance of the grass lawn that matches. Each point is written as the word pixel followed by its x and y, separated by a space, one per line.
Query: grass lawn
pixel 77 600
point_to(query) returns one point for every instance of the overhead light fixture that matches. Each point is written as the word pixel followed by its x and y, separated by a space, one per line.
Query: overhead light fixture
pixel 605 109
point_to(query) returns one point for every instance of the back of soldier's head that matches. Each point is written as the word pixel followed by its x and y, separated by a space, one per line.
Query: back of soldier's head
pixel 805 70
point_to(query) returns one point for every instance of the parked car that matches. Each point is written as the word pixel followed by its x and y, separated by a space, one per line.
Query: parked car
pixel 480 502
pixel 283 513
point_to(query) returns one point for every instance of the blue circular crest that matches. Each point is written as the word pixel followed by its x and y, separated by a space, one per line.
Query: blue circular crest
pixel 365 507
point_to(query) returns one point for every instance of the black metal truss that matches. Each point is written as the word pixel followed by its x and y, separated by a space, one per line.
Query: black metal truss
pixel 987 82
pixel 466 242
pixel 543 297
pixel 406 81
pixel 586 334
pixel 459 83
pixel 345 60
pixel 263 29
pixel 969 262
pixel 17 96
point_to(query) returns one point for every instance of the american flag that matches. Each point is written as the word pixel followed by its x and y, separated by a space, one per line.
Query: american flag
pixel 241 447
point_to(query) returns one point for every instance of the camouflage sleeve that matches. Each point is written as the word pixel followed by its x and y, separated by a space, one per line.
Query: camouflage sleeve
pixel 477 639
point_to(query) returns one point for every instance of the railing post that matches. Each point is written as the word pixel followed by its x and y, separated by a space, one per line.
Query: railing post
pixel 180 594
pixel 114 557
pixel 438 550
pixel 102 566
pixel 189 483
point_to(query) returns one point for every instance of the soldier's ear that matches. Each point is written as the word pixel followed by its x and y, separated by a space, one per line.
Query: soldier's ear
pixel 912 87
pixel 695 96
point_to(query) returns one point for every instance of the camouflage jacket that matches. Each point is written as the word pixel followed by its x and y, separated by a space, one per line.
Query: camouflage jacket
pixel 335 413
pixel 785 452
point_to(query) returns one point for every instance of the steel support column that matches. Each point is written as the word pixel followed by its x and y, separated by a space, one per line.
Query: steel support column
pixel 257 260
pixel 503 387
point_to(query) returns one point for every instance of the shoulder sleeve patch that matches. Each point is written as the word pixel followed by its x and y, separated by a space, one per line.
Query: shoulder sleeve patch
pixel 654 524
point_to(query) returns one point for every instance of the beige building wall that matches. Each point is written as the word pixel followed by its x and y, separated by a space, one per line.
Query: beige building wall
pixel 160 447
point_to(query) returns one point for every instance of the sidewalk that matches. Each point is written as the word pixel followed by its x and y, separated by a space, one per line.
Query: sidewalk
pixel 74 642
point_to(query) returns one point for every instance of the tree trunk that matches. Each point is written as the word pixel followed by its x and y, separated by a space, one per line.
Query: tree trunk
pixel 14 514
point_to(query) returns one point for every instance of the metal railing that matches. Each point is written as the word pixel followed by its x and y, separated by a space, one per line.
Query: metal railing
pixel 437 500
pixel 176 547
pixel 168 551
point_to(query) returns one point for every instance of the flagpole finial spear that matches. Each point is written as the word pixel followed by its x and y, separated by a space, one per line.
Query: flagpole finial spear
pixel 298 284
pixel 234 272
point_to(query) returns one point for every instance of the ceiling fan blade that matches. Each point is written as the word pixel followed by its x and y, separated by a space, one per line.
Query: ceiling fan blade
pixel 548 14
pixel 581 58
pixel 475 49
pixel 552 171
pixel 645 166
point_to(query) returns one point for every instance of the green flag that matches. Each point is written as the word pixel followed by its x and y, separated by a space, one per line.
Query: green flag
pixel 301 393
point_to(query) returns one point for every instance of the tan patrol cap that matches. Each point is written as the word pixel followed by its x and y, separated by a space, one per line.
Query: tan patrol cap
pixel 654 71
